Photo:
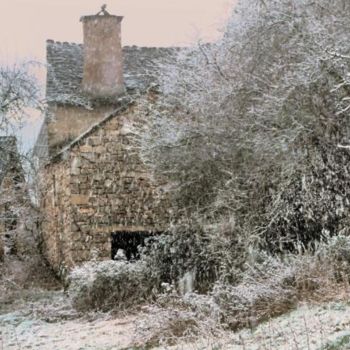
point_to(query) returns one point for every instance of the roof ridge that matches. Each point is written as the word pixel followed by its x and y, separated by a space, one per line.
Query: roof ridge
pixel 51 41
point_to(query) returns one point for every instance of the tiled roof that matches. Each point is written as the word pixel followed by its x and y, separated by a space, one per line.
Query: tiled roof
pixel 65 70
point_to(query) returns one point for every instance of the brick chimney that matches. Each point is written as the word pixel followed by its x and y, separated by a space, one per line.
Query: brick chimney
pixel 103 55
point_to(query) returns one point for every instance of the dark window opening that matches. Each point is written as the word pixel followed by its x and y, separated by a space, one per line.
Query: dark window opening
pixel 129 243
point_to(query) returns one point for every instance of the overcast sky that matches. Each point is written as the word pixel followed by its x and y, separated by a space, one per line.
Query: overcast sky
pixel 26 24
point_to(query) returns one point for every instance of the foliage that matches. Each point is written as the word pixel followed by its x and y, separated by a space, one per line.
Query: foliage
pixel 271 286
pixel 264 292
pixel 171 255
pixel 188 248
pixel 110 284
pixel 315 202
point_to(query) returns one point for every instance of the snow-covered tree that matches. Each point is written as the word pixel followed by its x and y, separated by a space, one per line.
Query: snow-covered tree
pixel 254 129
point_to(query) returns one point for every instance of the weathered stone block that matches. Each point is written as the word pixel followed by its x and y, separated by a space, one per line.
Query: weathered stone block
pixel 77 199
pixel 86 149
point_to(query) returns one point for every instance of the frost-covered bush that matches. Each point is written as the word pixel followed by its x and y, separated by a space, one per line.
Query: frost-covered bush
pixel 266 290
pixel 314 204
pixel 171 255
pixel 337 249
pixel 110 285
pixel 206 254
pixel 272 285
pixel 269 286
pixel 336 253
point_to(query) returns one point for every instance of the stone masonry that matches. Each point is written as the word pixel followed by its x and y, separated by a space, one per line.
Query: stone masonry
pixel 97 186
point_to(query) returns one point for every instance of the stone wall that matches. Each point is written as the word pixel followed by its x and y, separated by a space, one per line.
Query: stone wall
pixel 65 123
pixel 99 186
pixel 56 213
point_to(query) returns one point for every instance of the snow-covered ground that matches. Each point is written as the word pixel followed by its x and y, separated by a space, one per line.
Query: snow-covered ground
pixel 317 327
pixel 50 323
pixel 46 321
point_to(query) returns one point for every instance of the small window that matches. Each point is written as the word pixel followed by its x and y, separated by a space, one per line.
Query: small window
pixel 125 245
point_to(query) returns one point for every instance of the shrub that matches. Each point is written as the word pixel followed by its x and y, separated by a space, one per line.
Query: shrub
pixel 314 203
pixel 336 254
pixel 272 285
pixel 209 253
pixel 171 255
pixel 266 290
pixel 109 284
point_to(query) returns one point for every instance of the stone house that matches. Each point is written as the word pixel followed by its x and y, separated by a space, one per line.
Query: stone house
pixel 12 194
pixel 96 194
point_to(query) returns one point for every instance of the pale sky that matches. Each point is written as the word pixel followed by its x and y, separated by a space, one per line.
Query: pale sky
pixel 25 25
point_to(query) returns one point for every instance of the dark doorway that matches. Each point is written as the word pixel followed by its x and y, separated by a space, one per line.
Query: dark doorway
pixel 129 242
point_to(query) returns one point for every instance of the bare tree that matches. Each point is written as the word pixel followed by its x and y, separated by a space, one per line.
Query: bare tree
pixel 19 95
pixel 19 90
